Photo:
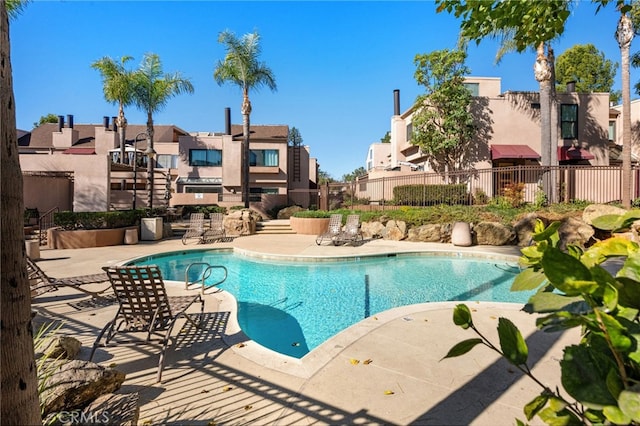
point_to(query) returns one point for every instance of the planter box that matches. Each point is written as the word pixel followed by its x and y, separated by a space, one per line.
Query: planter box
pixel 151 229
pixel 61 239
pixel 309 226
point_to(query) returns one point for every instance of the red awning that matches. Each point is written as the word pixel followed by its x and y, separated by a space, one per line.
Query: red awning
pixel 513 151
pixel 566 153
pixel 80 151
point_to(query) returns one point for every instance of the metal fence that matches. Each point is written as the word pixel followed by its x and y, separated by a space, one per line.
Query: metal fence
pixel 596 184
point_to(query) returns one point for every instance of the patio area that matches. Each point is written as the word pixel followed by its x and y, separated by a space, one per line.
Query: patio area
pixel 209 378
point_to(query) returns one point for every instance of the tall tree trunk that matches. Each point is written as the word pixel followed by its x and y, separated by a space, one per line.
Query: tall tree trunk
pixel 246 112
pixel 150 159
pixel 624 36
pixel 122 131
pixel 18 379
pixel 553 154
pixel 542 74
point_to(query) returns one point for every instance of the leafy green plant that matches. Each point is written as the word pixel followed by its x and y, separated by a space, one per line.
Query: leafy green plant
pixel 616 222
pixel 318 214
pixel 46 364
pixel 98 220
pixel 514 193
pixel 601 373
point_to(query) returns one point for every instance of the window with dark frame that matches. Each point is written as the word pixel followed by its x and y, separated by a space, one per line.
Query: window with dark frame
pixel 264 157
pixel 205 157
pixel 569 121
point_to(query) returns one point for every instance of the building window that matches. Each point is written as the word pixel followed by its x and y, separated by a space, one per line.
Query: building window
pixel 264 157
pixel 473 88
pixel 202 189
pixel 409 131
pixel 166 161
pixel 569 121
pixel 205 157
pixel 612 130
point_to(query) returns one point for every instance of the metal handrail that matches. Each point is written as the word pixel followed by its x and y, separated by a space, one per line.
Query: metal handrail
pixel 45 221
pixel 205 274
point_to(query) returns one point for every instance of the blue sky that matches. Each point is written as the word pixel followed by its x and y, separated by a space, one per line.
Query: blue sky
pixel 336 63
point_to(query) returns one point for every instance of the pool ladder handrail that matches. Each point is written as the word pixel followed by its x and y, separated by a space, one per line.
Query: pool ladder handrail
pixel 205 274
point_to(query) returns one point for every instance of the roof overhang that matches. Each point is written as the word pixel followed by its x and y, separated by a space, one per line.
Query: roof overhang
pixel 566 153
pixel 513 151
pixel 185 180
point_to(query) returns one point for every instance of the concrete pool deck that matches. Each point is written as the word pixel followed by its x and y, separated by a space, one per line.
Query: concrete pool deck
pixel 388 369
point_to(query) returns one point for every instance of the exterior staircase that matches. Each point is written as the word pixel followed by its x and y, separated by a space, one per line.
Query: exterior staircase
pixel 276 226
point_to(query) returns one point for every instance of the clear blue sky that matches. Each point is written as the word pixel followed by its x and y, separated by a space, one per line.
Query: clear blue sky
pixel 336 63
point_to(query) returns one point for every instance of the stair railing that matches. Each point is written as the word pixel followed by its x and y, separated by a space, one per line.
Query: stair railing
pixel 45 221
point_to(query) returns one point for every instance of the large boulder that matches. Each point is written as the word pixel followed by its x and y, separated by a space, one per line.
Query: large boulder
pixel 430 233
pixel 575 231
pixel 287 212
pixel 63 347
pixel 241 222
pixel 395 230
pixel 493 234
pixel 595 210
pixel 76 383
pixel 524 228
pixel 372 230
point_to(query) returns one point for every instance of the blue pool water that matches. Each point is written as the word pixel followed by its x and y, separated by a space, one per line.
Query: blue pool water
pixel 292 307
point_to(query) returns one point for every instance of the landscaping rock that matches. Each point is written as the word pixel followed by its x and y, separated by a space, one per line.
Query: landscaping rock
pixel 76 383
pixel 395 230
pixel 241 222
pixel 63 347
pixel 524 228
pixel 372 230
pixel 596 210
pixel 429 233
pixel 575 231
pixel 493 234
pixel 287 212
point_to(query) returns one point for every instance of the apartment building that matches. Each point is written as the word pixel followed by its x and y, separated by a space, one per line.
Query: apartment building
pixel 76 167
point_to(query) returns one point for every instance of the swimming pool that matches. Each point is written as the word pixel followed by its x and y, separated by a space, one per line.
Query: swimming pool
pixel 293 306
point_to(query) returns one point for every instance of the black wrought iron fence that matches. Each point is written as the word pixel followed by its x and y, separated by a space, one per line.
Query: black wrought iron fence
pixel 597 184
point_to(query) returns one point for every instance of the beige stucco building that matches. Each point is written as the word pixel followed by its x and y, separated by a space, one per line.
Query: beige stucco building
pixel 73 167
pixel 508 128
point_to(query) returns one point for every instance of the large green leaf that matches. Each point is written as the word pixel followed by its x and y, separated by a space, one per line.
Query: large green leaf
pixel 584 376
pixel 615 415
pixel 628 293
pixel 617 333
pixel 512 343
pixel 462 348
pixel 529 279
pixel 462 316
pixel 631 267
pixel 535 405
pixel 567 273
pixel 607 222
pixel 560 321
pixel 611 247
pixel 548 232
pixel 545 301
pixel 629 402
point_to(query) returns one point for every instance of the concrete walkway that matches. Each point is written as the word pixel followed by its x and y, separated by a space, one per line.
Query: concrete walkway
pixel 388 369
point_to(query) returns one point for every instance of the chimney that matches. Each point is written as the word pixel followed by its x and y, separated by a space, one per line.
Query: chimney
pixel 396 102
pixel 105 122
pixel 571 86
pixel 115 126
pixel 227 121
pixel 60 122
pixel 70 121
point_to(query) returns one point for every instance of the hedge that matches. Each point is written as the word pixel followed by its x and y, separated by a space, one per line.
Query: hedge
pixel 98 220
pixel 430 195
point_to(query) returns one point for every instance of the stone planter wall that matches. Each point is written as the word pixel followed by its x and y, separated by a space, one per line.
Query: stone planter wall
pixel 308 225
pixel 61 239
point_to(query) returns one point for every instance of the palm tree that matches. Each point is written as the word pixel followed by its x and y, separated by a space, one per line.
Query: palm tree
pixel 624 36
pixel 152 90
pixel 117 85
pixel 18 379
pixel 242 67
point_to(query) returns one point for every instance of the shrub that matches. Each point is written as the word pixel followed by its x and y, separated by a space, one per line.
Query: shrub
pixel 30 213
pixel 98 220
pixel 601 372
pixel 429 195
pixel 514 193
pixel 207 210
pixel 318 214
